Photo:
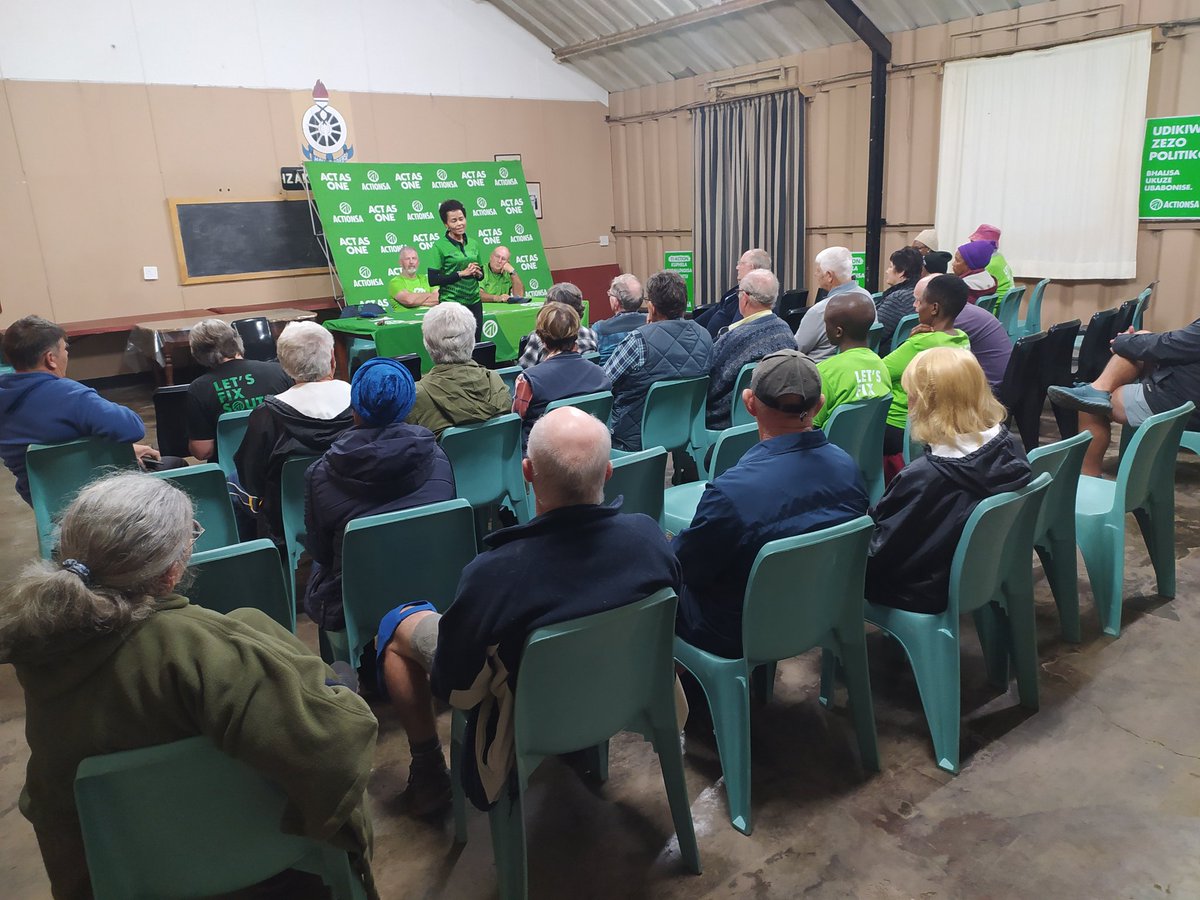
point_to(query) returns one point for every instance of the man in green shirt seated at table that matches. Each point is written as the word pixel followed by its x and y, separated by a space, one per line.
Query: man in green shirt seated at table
pixel 937 308
pixel 500 280
pixel 411 288
pixel 856 372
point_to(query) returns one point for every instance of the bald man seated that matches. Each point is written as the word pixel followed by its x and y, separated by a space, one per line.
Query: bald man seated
pixel 559 566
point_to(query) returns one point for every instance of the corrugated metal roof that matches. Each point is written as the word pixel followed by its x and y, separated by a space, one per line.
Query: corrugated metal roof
pixel 723 34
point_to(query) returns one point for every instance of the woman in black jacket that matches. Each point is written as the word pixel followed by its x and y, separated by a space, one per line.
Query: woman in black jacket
pixel 969 457
pixel 380 465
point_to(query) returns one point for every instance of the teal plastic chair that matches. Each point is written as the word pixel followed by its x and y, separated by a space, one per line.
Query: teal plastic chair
pixel 875 336
pixel 592 356
pixel 1009 310
pixel 486 459
pixel 1145 486
pixel 738 414
pixel 904 328
pixel 231 428
pixel 913 449
pixel 361 349
pixel 240 576
pixel 7 370
pixel 185 820
pixel 803 592
pixel 598 404
pixel 57 472
pixel 674 409
pixel 680 501
pixel 639 478
pixel 1032 323
pixel 291 508
pixel 1190 440
pixel 991 576
pixel 581 682
pixel 703 438
pixel 989 303
pixel 205 484
pixel 1054 535
pixel 858 429
pixel 399 557
pixel 509 376
pixel 1139 311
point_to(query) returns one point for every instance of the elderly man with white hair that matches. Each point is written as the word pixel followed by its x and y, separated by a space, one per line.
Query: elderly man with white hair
pixel 304 420
pixel 556 567
pixel 457 390
pixel 727 310
pixel 835 267
pixel 625 299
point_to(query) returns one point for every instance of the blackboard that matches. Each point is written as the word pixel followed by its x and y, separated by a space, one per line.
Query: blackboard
pixel 231 240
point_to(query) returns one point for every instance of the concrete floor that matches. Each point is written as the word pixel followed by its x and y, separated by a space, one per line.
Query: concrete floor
pixel 1095 795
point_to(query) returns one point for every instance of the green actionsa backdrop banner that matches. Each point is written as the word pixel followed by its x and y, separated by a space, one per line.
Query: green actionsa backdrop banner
pixel 370 210
pixel 859 270
pixel 1171 169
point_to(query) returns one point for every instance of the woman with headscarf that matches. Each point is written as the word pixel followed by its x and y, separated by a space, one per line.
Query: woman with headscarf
pixel 970 264
pixel 997 266
pixel 380 465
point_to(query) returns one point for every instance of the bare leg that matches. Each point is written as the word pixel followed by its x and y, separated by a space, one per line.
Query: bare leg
pixel 407 683
pixel 1101 429
pixel 1117 373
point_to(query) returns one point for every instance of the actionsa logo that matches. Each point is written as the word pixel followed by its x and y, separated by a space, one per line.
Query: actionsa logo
pixel 345 208
pixel 364 272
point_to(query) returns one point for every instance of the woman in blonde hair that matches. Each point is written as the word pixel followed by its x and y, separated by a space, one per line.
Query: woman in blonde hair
pixel 970 456
pixel 111 658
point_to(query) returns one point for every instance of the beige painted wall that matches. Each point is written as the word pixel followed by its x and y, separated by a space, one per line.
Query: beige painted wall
pixel 86 170
pixel 651 136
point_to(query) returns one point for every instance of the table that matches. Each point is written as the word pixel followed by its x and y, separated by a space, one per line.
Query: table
pixel 399 332
pixel 161 341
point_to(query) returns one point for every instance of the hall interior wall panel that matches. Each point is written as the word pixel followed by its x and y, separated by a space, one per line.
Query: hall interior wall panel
pixel 23 288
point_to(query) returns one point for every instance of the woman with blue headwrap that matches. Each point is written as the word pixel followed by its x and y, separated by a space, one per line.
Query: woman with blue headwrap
pixel 380 465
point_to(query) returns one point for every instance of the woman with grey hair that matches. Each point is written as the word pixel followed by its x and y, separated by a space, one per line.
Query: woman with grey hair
pixel 304 420
pixel 457 390
pixel 562 292
pixel 231 383
pixel 112 658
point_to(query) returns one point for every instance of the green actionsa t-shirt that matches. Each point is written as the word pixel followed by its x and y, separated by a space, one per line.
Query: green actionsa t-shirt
pixel 857 374
pixel 999 269
pixel 897 361
pixel 418 284
pixel 495 283
pixel 449 258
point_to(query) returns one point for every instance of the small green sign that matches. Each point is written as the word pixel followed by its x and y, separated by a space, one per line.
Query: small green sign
pixel 1171 169
pixel 859 272
pixel 680 262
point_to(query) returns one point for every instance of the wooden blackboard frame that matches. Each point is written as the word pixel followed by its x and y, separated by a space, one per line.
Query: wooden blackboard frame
pixel 177 235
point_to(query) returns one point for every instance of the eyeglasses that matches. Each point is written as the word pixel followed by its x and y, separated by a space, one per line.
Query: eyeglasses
pixel 197 530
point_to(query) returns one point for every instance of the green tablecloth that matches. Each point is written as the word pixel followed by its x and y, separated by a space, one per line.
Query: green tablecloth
pixel 399 332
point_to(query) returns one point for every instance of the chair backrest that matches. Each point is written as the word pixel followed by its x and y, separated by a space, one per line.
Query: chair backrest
pixel 801 587
pixel 170 420
pixel 485 354
pixel 583 680
pixel 1143 301
pixel 1125 320
pixel 211 506
pixel 1062 461
pixel 1056 353
pixel 361 349
pixel 875 336
pixel 794 317
pixel 1149 461
pixel 592 356
pixel 913 449
pixel 1095 352
pixel 731 445
pixel 858 429
pixel 509 376
pixel 997 538
pixel 399 557
pixel 186 820
pixel 291 500
pixel 989 303
pixel 231 428
pixel 640 478
pixel 904 328
pixel 1009 311
pixel 1021 371
pixel 412 362
pixel 790 301
pixel 242 575
pixel 598 404
pixel 1033 312
pixel 486 459
pixel 672 408
pixel 738 414
pixel 57 472
pixel 256 337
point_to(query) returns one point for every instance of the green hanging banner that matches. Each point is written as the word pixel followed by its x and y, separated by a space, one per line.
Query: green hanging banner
pixel 859 270
pixel 370 210
pixel 680 262
pixel 1171 169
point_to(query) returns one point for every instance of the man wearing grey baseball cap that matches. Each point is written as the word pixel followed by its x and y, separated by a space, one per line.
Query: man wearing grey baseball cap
pixel 792 482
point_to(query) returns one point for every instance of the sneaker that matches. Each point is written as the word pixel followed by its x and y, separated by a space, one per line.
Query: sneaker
pixel 428 791
pixel 1081 397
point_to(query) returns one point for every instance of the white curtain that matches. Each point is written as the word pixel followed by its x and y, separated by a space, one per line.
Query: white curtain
pixel 1046 145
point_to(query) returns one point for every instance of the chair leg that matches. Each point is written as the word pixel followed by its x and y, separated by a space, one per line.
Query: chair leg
pixel 936 669
pixel 862 707
pixel 1157 524
pixel 763 682
pixel 1062 572
pixel 828 677
pixel 508 842
pixel 729 702
pixel 1022 630
pixel 597 761
pixel 670 759
pixel 457 796
pixel 992 626
pixel 1103 549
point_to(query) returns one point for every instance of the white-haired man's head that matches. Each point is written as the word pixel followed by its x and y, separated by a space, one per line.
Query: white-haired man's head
pixel 568 459
pixel 835 266
pixel 306 352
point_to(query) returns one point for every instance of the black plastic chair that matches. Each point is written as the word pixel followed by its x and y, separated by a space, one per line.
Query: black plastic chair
pixel 1021 391
pixel 793 318
pixel 521 346
pixel 485 354
pixel 170 420
pixel 791 301
pixel 1054 367
pixel 257 337
pixel 412 362
pixel 1128 310
pixel 1095 351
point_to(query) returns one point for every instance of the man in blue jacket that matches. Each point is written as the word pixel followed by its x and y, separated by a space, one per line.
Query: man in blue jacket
pixel 40 405
pixel 792 482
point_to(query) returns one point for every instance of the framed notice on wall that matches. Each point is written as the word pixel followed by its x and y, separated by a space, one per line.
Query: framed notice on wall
pixel 1171 169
